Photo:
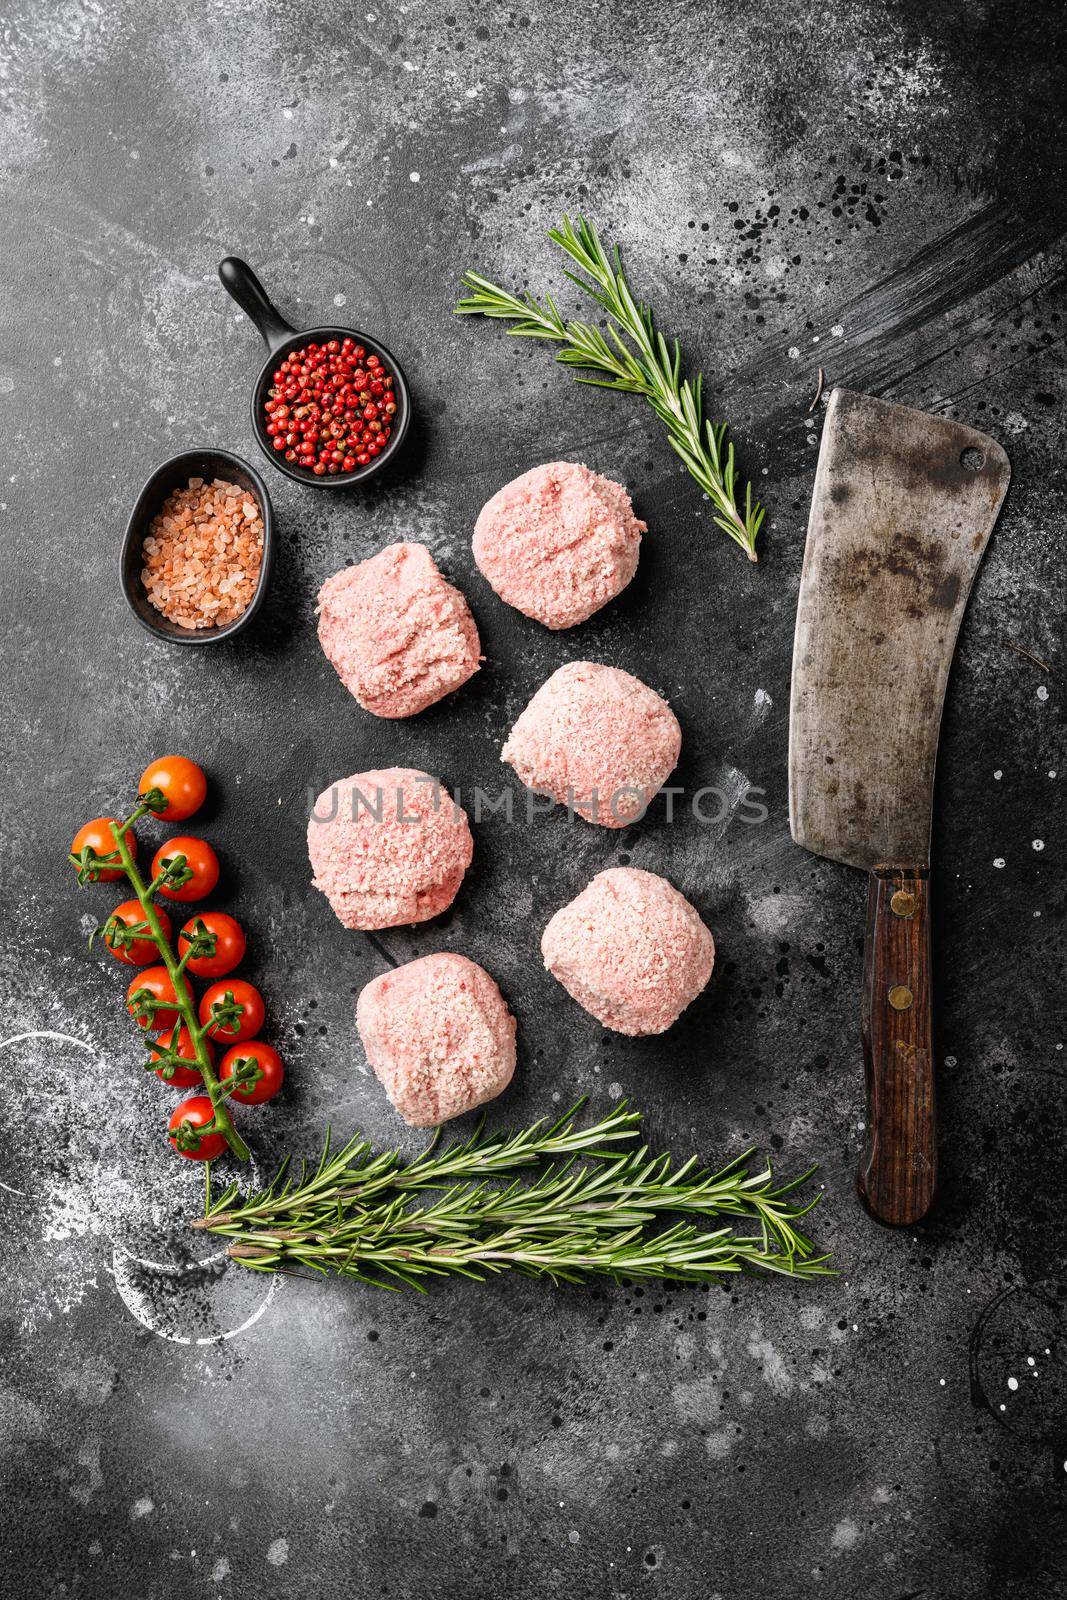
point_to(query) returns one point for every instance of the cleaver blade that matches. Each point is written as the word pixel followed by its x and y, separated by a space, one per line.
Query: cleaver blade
pixel 902 510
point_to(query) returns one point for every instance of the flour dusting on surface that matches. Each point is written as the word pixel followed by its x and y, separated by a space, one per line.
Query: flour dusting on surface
pixel 112 1213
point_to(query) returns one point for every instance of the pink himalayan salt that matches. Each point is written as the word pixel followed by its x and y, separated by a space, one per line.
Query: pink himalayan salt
pixel 202 554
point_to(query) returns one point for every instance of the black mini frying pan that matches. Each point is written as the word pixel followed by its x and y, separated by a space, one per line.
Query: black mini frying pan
pixel 281 339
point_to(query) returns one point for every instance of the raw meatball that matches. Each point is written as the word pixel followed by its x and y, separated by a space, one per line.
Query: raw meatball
pixel 388 847
pixel 597 739
pixel 440 1037
pixel 631 950
pixel 558 543
pixel 398 634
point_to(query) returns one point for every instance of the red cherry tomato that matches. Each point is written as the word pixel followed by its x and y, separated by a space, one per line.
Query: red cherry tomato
pixel 143 949
pixel 239 1028
pixel 182 1077
pixel 270 1066
pixel 183 1130
pixel 181 784
pixel 96 839
pixel 229 939
pixel 201 863
pixel 156 981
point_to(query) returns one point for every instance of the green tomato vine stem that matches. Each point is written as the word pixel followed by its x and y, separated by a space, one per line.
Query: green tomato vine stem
pixel 176 972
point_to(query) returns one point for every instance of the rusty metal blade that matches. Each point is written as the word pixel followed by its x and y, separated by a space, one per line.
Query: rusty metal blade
pixel 903 508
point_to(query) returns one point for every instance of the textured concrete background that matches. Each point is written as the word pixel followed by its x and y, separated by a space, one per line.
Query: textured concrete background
pixel 874 188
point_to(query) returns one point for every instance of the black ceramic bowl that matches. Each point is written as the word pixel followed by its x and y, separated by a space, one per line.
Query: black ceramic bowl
pixel 175 474
pixel 240 281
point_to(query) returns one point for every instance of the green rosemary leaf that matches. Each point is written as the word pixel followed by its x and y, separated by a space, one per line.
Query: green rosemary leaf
pixel 590 1210
pixel 643 362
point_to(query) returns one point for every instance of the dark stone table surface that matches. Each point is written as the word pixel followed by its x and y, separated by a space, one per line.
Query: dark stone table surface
pixel 874 189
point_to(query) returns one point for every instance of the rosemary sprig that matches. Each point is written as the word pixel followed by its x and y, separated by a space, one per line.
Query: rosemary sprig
pixel 593 1210
pixel 385 1261
pixel 355 1175
pixel 643 362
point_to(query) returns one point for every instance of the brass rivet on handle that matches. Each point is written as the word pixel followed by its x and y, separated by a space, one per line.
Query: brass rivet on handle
pixel 900 997
pixel 902 903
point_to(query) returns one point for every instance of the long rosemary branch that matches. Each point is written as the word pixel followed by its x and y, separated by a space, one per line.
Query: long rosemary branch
pixel 355 1175
pixel 643 362
pixel 592 1211
pixel 389 1261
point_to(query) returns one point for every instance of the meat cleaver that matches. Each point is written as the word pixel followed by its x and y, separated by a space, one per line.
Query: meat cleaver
pixel 903 508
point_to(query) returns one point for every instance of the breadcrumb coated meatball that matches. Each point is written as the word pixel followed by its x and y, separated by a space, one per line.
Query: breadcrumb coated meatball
pixel 558 542
pixel 399 635
pixel 597 739
pixel 631 950
pixel 388 847
pixel 439 1036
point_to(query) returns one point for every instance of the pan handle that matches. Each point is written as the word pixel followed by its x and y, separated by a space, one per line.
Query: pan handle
pixel 898 1172
pixel 241 283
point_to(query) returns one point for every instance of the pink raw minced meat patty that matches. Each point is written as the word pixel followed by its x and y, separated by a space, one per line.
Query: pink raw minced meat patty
pixel 558 542
pixel 439 1036
pixel 631 950
pixel 597 739
pixel 388 847
pixel 399 636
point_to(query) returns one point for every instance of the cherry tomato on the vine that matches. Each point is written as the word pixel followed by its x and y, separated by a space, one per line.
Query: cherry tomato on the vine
pixel 183 1130
pixel 229 939
pixel 270 1066
pixel 201 862
pixel 97 838
pixel 182 1077
pixel 156 980
pixel 144 948
pixel 239 1028
pixel 180 782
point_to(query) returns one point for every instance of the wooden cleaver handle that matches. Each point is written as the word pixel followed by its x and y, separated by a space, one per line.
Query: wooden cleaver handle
pixel 898 1171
